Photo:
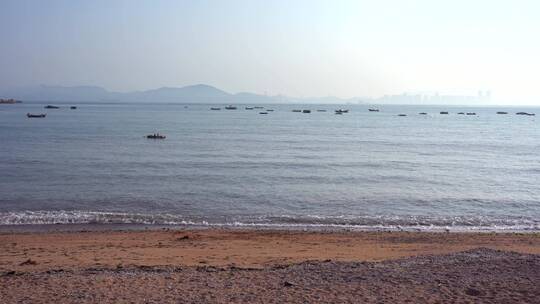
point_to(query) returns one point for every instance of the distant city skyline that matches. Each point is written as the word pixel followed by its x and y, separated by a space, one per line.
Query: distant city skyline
pixel 302 48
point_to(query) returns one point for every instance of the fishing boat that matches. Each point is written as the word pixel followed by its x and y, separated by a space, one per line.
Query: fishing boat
pixel 230 107
pixel 35 115
pixel 155 136
pixel 525 113
pixel 51 107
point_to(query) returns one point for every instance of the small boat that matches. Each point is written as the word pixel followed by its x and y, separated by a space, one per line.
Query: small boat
pixel 471 113
pixel 263 112
pixel 306 111
pixel 443 113
pixel 9 101
pixel 51 107
pixel 230 107
pixel 342 111
pixel 525 113
pixel 155 136
pixel 249 108
pixel 502 113
pixel 73 107
pixel 270 110
pixel 258 107
pixel 339 113
pixel 402 114
pixel 35 115
pixel 373 110
pixel 215 109
pixel 298 111
pixel 461 113
pixel 321 110
pixel 422 113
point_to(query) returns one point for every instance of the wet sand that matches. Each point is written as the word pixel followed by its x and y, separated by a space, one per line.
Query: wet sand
pixel 222 266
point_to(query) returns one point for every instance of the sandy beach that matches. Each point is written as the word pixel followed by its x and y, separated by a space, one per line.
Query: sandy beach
pixel 224 266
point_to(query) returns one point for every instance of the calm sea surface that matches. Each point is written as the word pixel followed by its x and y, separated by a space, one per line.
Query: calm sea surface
pixel 363 169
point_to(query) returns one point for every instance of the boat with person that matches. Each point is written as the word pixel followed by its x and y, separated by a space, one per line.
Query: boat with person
pixel 51 107
pixel 43 115
pixel 342 111
pixel 155 136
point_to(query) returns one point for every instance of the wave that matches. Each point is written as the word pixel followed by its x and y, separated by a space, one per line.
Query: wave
pixel 368 223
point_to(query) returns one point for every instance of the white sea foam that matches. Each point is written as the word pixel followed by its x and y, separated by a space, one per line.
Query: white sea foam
pixel 315 222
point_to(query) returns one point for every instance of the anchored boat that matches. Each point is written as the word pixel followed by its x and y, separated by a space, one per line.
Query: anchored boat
pixel 35 115
pixel 155 136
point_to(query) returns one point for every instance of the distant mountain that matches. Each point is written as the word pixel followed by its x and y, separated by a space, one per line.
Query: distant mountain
pixel 200 93
pixel 195 93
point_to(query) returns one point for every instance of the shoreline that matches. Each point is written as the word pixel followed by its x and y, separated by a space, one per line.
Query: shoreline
pixel 166 246
pixel 323 228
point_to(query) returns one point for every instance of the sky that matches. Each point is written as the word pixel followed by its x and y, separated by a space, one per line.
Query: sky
pixel 296 48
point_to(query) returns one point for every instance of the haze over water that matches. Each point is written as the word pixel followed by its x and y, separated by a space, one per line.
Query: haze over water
pixel 357 170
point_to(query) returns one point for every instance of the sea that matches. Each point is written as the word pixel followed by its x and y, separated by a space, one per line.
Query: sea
pixel 238 168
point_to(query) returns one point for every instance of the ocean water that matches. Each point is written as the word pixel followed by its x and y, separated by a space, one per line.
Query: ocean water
pixel 360 170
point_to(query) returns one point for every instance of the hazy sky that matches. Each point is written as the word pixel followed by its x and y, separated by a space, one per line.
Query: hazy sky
pixel 297 48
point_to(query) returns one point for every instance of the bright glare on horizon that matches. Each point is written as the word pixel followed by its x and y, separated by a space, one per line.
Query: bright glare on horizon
pixel 295 48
